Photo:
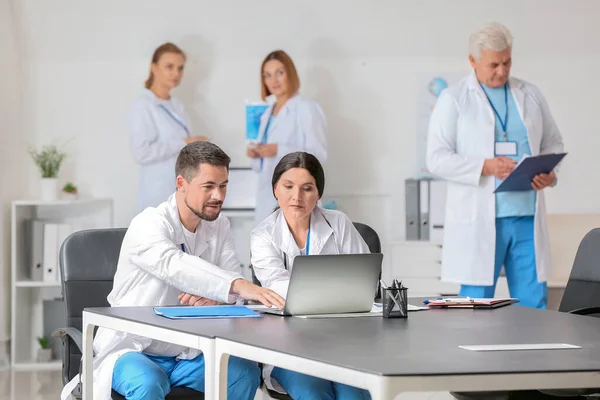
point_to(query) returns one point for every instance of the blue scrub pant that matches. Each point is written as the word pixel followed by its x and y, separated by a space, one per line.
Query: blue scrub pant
pixel 141 376
pixel 515 250
pixel 305 387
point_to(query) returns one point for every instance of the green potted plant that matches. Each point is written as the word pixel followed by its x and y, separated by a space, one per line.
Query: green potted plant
pixel 44 353
pixel 70 191
pixel 48 160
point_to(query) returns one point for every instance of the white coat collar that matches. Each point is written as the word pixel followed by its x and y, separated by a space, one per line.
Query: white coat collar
pixel 474 84
pixel 289 105
pixel 205 233
pixel 320 231
pixel 515 85
pixel 152 97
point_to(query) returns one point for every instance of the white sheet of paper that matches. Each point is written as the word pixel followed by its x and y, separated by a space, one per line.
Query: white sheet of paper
pixel 514 347
pixel 506 148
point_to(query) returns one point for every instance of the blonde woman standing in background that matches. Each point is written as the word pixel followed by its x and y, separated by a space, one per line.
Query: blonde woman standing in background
pixel 159 127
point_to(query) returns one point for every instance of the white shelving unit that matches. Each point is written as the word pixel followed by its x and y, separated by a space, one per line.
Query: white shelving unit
pixel 27 295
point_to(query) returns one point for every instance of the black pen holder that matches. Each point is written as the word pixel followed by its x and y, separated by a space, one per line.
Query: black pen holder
pixel 395 302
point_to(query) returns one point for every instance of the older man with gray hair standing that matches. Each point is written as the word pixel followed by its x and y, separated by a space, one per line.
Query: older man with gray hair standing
pixel 480 128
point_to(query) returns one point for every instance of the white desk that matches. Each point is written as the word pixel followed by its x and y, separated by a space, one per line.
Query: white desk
pixel 421 353
pixel 386 356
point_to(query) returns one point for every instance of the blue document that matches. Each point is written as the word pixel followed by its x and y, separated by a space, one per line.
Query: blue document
pixel 253 114
pixel 520 179
pixel 190 312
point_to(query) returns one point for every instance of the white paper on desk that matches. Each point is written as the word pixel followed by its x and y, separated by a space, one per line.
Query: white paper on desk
pixel 515 347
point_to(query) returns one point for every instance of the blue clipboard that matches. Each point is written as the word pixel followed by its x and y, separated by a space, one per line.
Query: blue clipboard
pixel 191 312
pixel 520 179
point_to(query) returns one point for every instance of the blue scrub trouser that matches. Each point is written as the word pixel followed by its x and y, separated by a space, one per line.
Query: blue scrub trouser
pixel 515 250
pixel 141 376
pixel 305 387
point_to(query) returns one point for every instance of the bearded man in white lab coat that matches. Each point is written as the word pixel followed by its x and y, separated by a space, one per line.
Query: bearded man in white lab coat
pixel 479 129
pixel 179 252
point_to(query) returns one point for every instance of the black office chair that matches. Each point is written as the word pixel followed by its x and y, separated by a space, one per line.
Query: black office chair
pixel 372 239
pixel 88 262
pixel 581 296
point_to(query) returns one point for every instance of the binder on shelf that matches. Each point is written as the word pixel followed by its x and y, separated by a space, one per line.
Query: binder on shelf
pixel 424 200
pixel 50 258
pixel 63 231
pixel 412 203
pixel 35 229
pixel 437 210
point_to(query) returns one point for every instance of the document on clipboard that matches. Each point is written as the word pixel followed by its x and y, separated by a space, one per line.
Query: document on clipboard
pixel 468 302
pixel 520 179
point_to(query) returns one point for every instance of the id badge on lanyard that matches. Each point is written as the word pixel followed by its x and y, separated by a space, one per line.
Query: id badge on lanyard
pixel 505 148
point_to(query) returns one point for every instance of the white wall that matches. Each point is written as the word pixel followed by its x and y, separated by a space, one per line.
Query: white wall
pixel 86 60
pixel 13 144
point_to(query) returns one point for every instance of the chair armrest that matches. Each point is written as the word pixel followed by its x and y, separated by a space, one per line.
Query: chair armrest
pixel 586 311
pixel 75 335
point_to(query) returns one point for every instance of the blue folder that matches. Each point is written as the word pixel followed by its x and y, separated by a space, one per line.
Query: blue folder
pixel 253 114
pixel 190 312
pixel 520 179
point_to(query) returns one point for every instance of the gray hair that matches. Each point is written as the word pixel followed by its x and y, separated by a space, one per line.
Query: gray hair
pixel 196 153
pixel 492 37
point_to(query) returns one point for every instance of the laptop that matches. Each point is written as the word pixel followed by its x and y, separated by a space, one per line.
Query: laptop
pixel 332 284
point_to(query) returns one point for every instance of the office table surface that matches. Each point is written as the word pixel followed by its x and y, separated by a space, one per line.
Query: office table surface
pixel 424 344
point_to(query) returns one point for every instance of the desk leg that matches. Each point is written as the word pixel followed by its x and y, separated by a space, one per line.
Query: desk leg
pixel 221 364
pixel 208 349
pixel 88 358
pixel 381 390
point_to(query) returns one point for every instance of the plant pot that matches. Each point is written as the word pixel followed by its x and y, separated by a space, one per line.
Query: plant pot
pixel 49 189
pixel 69 195
pixel 44 355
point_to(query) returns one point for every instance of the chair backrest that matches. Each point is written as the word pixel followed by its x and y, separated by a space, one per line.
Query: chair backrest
pixel 88 262
pixel 369 236
pixel 583 288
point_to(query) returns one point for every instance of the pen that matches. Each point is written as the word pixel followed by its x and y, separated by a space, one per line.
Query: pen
pixel 383 284
pixel 451 300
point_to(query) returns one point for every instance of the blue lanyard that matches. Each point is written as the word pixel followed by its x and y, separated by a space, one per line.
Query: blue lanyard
pixel 502 123
pixel 266 134
pixel 175 119
pixel 308 242
pixel 264 139
pixel 182 248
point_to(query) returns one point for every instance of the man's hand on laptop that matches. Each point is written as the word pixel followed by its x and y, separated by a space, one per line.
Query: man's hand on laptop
pixel 190 300
pixel 249 291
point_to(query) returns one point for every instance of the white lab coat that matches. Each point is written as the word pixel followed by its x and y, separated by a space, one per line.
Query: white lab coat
pixel 331 232
pixel 153 270
pixel 300 125
pixel 461 136
pixel 156 140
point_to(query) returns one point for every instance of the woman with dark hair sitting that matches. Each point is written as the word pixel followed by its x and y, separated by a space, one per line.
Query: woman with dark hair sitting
pixel 300 227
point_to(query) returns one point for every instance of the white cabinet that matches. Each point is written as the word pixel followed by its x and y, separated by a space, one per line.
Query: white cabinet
pixel 34 297
pixel 419 265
